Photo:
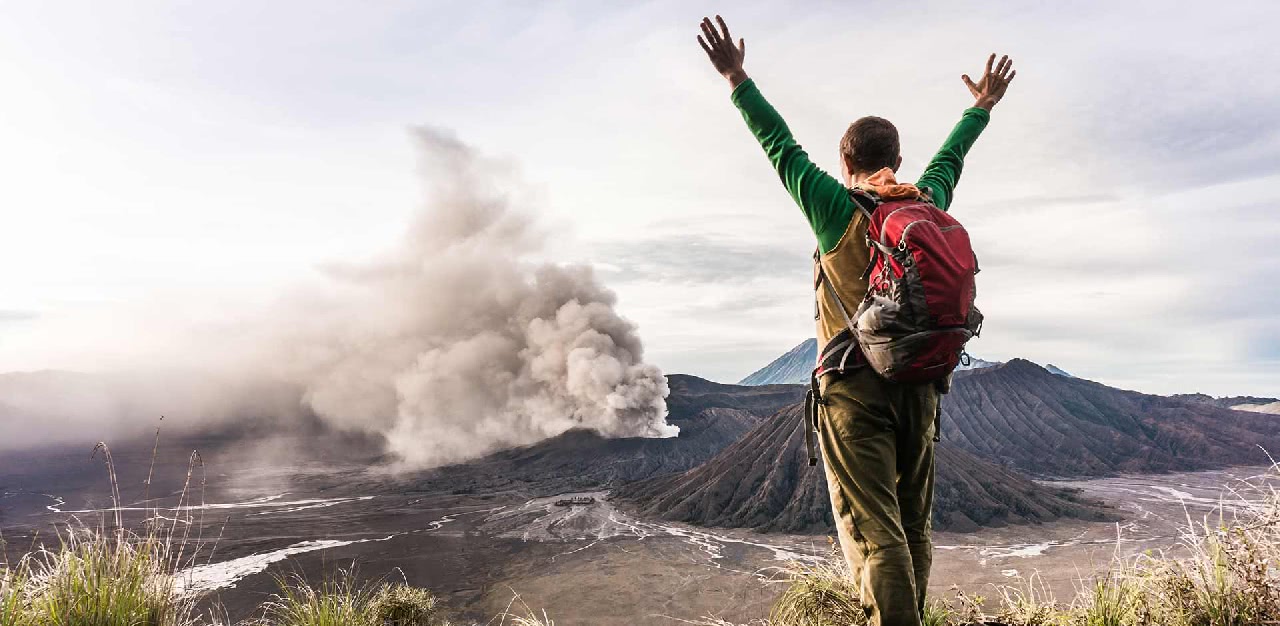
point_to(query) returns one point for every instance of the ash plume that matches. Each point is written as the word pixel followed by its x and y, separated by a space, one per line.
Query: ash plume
pixel 453 344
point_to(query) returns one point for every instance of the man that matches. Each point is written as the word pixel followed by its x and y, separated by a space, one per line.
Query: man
pixel 876 436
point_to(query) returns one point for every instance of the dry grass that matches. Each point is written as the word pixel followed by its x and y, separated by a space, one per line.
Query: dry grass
pixel 818 595
pixel 13 596
pixel 343 600
pixel 526 616
pixel 93 579
pixel 402 605
pixel 337 601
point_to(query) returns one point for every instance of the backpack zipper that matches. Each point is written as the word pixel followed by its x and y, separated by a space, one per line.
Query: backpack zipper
pixel 902 241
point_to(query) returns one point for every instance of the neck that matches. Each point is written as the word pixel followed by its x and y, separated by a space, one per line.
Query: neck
pixel 855 178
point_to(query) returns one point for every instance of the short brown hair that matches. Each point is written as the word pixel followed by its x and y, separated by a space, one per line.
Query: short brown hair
pixel 871 143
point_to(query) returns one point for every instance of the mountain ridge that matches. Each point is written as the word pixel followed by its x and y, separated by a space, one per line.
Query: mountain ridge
pixel 1000 425
pixel 763 482
pixel 1050 425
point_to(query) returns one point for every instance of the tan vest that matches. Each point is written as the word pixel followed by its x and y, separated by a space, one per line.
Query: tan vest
pixel 846 262
pixel 844 265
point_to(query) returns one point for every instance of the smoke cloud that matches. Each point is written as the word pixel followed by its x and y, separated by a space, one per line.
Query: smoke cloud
pixel 453 344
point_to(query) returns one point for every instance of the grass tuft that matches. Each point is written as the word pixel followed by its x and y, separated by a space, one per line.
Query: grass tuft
pixel 527 617
pixel 1029 602
pixel 402 605
pixel 337 601
pixel 341 600
pixel 818 595
pixel 95 579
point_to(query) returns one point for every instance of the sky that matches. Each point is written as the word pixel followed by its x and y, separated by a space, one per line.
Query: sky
pixel 171 163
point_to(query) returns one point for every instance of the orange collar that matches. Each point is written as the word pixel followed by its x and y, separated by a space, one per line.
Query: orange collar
pixel 883 184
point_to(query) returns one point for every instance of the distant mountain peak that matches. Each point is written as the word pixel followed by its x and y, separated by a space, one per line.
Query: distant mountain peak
pixel 1026 365
pixel 1054 369
pixel 1018 364
pixel 794 367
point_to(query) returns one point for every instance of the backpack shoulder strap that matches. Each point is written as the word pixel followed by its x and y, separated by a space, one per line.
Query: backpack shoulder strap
pixel 866 201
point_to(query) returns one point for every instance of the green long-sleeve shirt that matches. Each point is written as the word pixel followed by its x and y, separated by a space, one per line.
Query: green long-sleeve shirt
pixel 824 200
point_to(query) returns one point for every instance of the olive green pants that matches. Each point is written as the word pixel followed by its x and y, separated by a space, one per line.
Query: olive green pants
pixel 877 445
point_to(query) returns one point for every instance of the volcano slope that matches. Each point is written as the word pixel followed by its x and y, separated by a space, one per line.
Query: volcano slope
pixel 1021 416
pixel 763 482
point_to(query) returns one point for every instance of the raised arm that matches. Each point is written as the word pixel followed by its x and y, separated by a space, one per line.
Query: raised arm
pixel 823 199
pixel 942 174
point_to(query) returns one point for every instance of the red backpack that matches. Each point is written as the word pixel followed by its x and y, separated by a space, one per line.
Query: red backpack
pixel 918 313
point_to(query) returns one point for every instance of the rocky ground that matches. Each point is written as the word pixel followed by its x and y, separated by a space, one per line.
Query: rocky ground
pixel 586 564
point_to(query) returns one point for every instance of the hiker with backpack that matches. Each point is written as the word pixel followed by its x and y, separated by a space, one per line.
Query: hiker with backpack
pixel 894 299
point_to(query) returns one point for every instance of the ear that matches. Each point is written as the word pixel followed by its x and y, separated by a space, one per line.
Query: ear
pixel 846 168
pixel 897 164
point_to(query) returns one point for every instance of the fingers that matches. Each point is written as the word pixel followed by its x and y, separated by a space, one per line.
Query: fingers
pixel 1011 75
pixel 968 82
pixel 1000 67
pixel 710 31
pixel 705 47
pixel 990 60
pixel 742 49
pixel 725 28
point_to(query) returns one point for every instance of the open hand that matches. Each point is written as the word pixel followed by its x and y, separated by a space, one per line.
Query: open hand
pixel 726 57
pixel 990 89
